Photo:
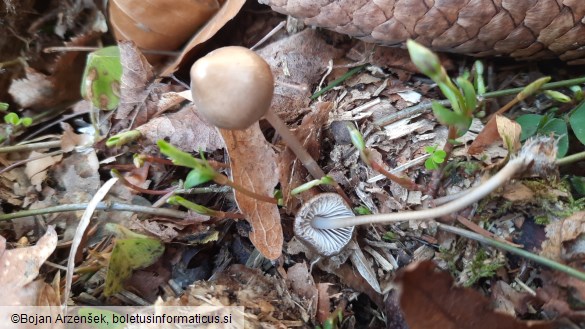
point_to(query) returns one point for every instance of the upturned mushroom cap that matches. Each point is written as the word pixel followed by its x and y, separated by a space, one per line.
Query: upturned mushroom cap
pixel 327 242
pixel 232 87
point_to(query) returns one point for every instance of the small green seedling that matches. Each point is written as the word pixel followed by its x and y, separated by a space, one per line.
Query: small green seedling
pixel 461 94
pixel 14 120
pixel 362 210
pixel 13 123
pixel 325 180
pixel 201 171
pixel 196 208
pixel 437 157
pixel 101 79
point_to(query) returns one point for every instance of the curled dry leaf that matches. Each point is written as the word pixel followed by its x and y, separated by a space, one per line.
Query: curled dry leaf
pixel 429 300
pixel 227 12
pixel 185 129
pixel 19 267
pixel 139 93
pixel 253 164
pixel 509 131
pixel 160 24
pixel 36 170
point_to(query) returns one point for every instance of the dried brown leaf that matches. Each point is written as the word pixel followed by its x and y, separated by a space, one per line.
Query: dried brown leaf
pixel 253 164
pixel 139 95
pixel 227 12
pixel 560 234
pixel 19 267
pixel 324 305
pixel 429 300
pixel 36 170
pixel 184 129
pixel 61 85
pixel 302 284
pixel 297 62
pixel 509 131
pixel 160 24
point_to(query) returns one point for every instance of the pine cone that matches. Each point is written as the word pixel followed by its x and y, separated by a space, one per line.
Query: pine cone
pixel 523 29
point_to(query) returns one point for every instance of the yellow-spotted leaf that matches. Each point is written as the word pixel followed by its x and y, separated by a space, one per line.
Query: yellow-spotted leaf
pixel 101 79
pixel 128 255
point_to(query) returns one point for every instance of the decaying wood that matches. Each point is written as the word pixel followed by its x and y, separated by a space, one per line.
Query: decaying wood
pixel 523 29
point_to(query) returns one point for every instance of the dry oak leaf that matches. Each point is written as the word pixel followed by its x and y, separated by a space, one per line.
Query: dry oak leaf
pixel 160 24
pixel 253 164
pixel 185 129
pixel 429 299
pixel 227 12
pixel 19 267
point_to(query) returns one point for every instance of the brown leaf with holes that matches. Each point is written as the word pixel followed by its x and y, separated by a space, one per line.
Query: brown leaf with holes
pixel 185 129
pixel 20 266
pixel 253 164
pixel 430 300
pixel 139 93
pixel 228 11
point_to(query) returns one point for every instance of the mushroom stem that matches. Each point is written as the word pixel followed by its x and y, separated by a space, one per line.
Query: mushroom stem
pixel 299 150
pixel 476 194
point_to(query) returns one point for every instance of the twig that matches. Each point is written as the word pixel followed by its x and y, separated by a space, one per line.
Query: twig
pixel 30 147
pixel 21 162
pixel 105 206
pixel 551 85
pixel 520 252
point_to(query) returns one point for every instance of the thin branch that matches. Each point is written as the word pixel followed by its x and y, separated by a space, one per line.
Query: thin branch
pixel 517 251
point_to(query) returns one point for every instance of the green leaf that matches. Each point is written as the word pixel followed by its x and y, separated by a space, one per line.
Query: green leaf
pixel 578 184
pixel 3 106
pixel 577 122
pixel 468 94
pixel 362 210
pixel 101 78
pixel 198 176
pixel 177 200
pixel 356 137
pixel 450 118
pixel 529 124
pixel 430 164
pixel 478 81
pixel 128 255
pixel 325 180
pixel 430 149
pixel 12 119
pixel 179 157
pixel 26 121
pixel 557 96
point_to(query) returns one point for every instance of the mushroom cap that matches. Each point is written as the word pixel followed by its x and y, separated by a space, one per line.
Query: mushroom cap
pixel 232 87
pixel 327 242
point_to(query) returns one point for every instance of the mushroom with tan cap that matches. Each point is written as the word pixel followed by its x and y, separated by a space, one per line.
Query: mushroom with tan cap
pixel 232 88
